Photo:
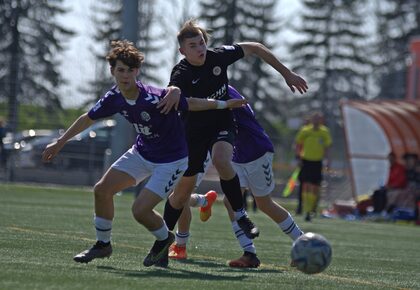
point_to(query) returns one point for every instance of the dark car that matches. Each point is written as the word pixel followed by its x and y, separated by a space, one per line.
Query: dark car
pixel 85 150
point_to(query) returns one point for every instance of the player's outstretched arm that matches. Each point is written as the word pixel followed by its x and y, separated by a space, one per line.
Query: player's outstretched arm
pixel 52 149
pixel 293 80
pixel 196 104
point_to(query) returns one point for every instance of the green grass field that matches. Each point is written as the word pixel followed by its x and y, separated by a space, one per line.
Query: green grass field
pixel 41 228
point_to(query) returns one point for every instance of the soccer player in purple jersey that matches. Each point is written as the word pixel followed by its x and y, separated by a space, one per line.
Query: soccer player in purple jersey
pixel 252 160
pixel 160 150
pixel 203 73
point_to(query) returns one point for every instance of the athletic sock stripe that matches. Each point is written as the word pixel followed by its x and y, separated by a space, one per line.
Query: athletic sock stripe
pixel 247 245
pixel 240 235
pixel 103 230
pixel 182 235
pixel 238 231
pixel 290 229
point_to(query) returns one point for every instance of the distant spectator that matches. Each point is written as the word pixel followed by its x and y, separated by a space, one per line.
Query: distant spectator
pixel 397 180
pixel 406 198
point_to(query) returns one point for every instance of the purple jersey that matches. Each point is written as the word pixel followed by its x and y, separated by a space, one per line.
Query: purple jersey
pixel 161 138
pixel 251 141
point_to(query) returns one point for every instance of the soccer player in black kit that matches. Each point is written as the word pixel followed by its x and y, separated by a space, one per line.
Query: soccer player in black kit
pixel 203 74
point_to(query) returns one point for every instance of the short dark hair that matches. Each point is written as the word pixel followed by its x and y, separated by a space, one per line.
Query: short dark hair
pixel 126 52
pixel 192 29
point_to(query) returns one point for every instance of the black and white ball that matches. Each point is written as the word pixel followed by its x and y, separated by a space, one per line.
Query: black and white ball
pixel 311 253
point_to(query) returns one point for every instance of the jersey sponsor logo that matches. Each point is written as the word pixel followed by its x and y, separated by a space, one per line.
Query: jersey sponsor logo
pixel 219 93
pixel 228 47
pixel 145 116
pixel 217 70
pixel 140 129
pixel 195 81
pixel 152 99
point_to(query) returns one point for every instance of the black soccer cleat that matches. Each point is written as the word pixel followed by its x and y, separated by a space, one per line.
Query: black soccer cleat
pixel 163 262
pixel 158 251
pixel 250 230
pixel 99 251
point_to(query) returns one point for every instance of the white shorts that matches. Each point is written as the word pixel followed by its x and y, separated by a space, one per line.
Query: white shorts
pixel 257 175
pixel 163 176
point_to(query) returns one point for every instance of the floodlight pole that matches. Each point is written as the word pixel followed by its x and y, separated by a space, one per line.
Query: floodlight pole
pixel 123 129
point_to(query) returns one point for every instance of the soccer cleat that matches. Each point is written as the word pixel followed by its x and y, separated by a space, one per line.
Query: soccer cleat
pixel 159 250
pixel 250 230
pixel 205 211
pixel 247 260
pixel 98 251
pixel 178 252
pixel 308 217
pixel 162 262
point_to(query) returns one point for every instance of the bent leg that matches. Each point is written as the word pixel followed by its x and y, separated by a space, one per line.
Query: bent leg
pixel 112 182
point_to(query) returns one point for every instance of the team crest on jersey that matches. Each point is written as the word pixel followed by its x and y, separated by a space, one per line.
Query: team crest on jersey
pixel 145 116
pixel 217 70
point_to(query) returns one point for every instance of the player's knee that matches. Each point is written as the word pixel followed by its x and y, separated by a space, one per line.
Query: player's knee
pixel 100 190
pixel 138 212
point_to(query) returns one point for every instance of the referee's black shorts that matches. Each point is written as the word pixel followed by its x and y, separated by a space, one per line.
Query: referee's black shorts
pixel 311 172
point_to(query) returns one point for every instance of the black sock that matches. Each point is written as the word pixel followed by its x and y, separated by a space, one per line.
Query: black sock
pixel 232 190
pixel 171 215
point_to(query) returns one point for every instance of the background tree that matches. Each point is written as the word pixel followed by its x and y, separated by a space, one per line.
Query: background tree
pixel 32 40
pixel 108 25
pixel 397 22
pixel 331 53
pixel 249 20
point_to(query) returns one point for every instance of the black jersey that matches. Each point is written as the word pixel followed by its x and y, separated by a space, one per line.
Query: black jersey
pixel 207 81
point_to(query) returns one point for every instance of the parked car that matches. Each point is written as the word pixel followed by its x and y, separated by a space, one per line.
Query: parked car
pixel 85 150
pixel 18 141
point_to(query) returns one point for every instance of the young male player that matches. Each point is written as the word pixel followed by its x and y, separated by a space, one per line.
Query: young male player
pixel 160 150
pixel 203 73
pixel 252 160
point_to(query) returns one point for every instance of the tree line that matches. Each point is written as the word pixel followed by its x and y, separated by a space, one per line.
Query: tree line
pixel 350 49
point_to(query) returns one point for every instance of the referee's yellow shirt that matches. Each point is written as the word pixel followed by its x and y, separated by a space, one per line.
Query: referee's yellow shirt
pixel 313 142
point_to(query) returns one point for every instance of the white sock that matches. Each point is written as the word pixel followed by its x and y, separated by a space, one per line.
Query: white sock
pixel 162 233
pixel 240 213
pixel 103 229
pixel 246 243
pixel 182 238
pixel 198 200
pixel 290 228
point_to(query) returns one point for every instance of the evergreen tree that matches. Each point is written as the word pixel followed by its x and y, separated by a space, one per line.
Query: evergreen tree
pixel 31 41
pixel 108 23
pixel 397 22
pixel 332 55
pixel 248 20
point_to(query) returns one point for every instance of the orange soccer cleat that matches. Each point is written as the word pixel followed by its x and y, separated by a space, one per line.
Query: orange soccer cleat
pixel 205 212
pixel 177 252
pixel 247 260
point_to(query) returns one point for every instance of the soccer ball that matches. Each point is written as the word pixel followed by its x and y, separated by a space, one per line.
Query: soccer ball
pixel 311 253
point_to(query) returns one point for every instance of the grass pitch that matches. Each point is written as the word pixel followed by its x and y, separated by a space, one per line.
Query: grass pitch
pixel 41 228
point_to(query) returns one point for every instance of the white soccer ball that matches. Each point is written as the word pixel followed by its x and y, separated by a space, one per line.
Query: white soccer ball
pixel 311 253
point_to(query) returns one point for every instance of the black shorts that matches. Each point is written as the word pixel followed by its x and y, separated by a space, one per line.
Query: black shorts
pixel 200 142
pixel 311 172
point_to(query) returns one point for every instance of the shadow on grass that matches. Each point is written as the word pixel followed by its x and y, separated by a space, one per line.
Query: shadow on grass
pixel 171 273
pixel 224 267
pixel 201 272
